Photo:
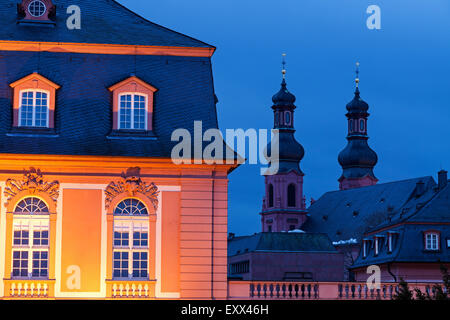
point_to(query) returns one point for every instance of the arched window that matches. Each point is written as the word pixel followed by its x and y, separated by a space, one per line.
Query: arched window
pixel 350 126
pixel 291 196
pixel 270 196
pixel 30 246
pixel 362 126
pixel 276 119
pixel 131 207
pixel 31 206
pixel 33 111
pixel 131 240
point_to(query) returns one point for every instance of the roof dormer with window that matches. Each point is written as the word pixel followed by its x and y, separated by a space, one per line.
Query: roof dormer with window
pixel 34 100
pixel 132 107
pixel 36 12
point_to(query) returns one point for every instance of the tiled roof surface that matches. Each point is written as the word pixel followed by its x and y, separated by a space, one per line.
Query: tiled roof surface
pixel 83 116
pixel 348 214
pixel 280 242
pixel 102 21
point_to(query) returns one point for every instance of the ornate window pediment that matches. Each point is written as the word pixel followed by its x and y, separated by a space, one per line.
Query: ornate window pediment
pixel 32 183
pixel 130 185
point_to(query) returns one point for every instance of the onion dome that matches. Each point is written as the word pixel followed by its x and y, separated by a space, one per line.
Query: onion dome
pixel 357 105
pixel 283 97
pixel 358 154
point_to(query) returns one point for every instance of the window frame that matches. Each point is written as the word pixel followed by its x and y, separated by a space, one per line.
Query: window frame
pixel 437 242
pixel 31 223
pixel 131 224
pixel 33 125
pixel 133 95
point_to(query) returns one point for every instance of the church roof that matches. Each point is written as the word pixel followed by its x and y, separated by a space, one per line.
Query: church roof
pixel 280 242
pixel 102 22
pixel 348 214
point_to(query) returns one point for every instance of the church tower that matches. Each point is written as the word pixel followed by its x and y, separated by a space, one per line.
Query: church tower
pixel 284 205
pixel 357 159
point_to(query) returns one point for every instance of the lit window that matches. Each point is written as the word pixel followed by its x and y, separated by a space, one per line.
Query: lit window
pixel 133 101
pixel 33 109
pixel 121 239
pixel 432 241
pixel 120 265
pixel 37 8
pixel 30 247
pixel 140 264
pixel 140 239
pixel 448 243
pixel 376 246
pixel 131 240
pixel 133 112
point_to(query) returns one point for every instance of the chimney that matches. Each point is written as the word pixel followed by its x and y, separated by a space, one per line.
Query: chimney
pixel 231 236
pixel 442 179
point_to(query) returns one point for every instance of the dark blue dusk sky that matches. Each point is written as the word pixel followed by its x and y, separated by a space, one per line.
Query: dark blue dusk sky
pixel 405 69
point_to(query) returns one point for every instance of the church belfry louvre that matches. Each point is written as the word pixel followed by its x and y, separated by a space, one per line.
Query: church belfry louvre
pixel 92 205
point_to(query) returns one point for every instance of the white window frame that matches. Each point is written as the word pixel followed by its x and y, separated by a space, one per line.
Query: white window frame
pixel 390 242
pixel 34 107
pixel 29 8
pixel 133 94
pixel 364 248
pixel 431 235
pixel 31 224
pixel 376 246
pixel 132 224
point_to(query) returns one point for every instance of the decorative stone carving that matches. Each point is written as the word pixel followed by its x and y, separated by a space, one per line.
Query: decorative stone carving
pixel 131 184
pixel 32 182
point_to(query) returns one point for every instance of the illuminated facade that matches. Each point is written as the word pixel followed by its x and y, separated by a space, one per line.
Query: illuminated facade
pixel 92 205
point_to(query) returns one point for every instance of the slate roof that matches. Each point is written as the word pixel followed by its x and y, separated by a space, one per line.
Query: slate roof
pixel 102 21
pixel 83 115
pixel 280 242
pixel 409 226
pixel 348 214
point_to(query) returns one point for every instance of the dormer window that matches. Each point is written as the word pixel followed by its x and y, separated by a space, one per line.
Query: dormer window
pixel 37 8
pixel 34 102
pixel 390 242
pixel 133 105
pixel 377 246
pixel 431 241
pixel 364 247
pixel 37 12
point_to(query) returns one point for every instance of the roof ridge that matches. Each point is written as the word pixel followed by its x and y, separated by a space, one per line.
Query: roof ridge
pixel 380 184
pixel 160 26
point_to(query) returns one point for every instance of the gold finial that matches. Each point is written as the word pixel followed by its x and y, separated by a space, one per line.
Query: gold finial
pixel 357 75
pixel 283 71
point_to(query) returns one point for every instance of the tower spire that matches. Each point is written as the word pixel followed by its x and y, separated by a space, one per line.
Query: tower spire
pixel 283 70
pixel 357 76
pixel 357 159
